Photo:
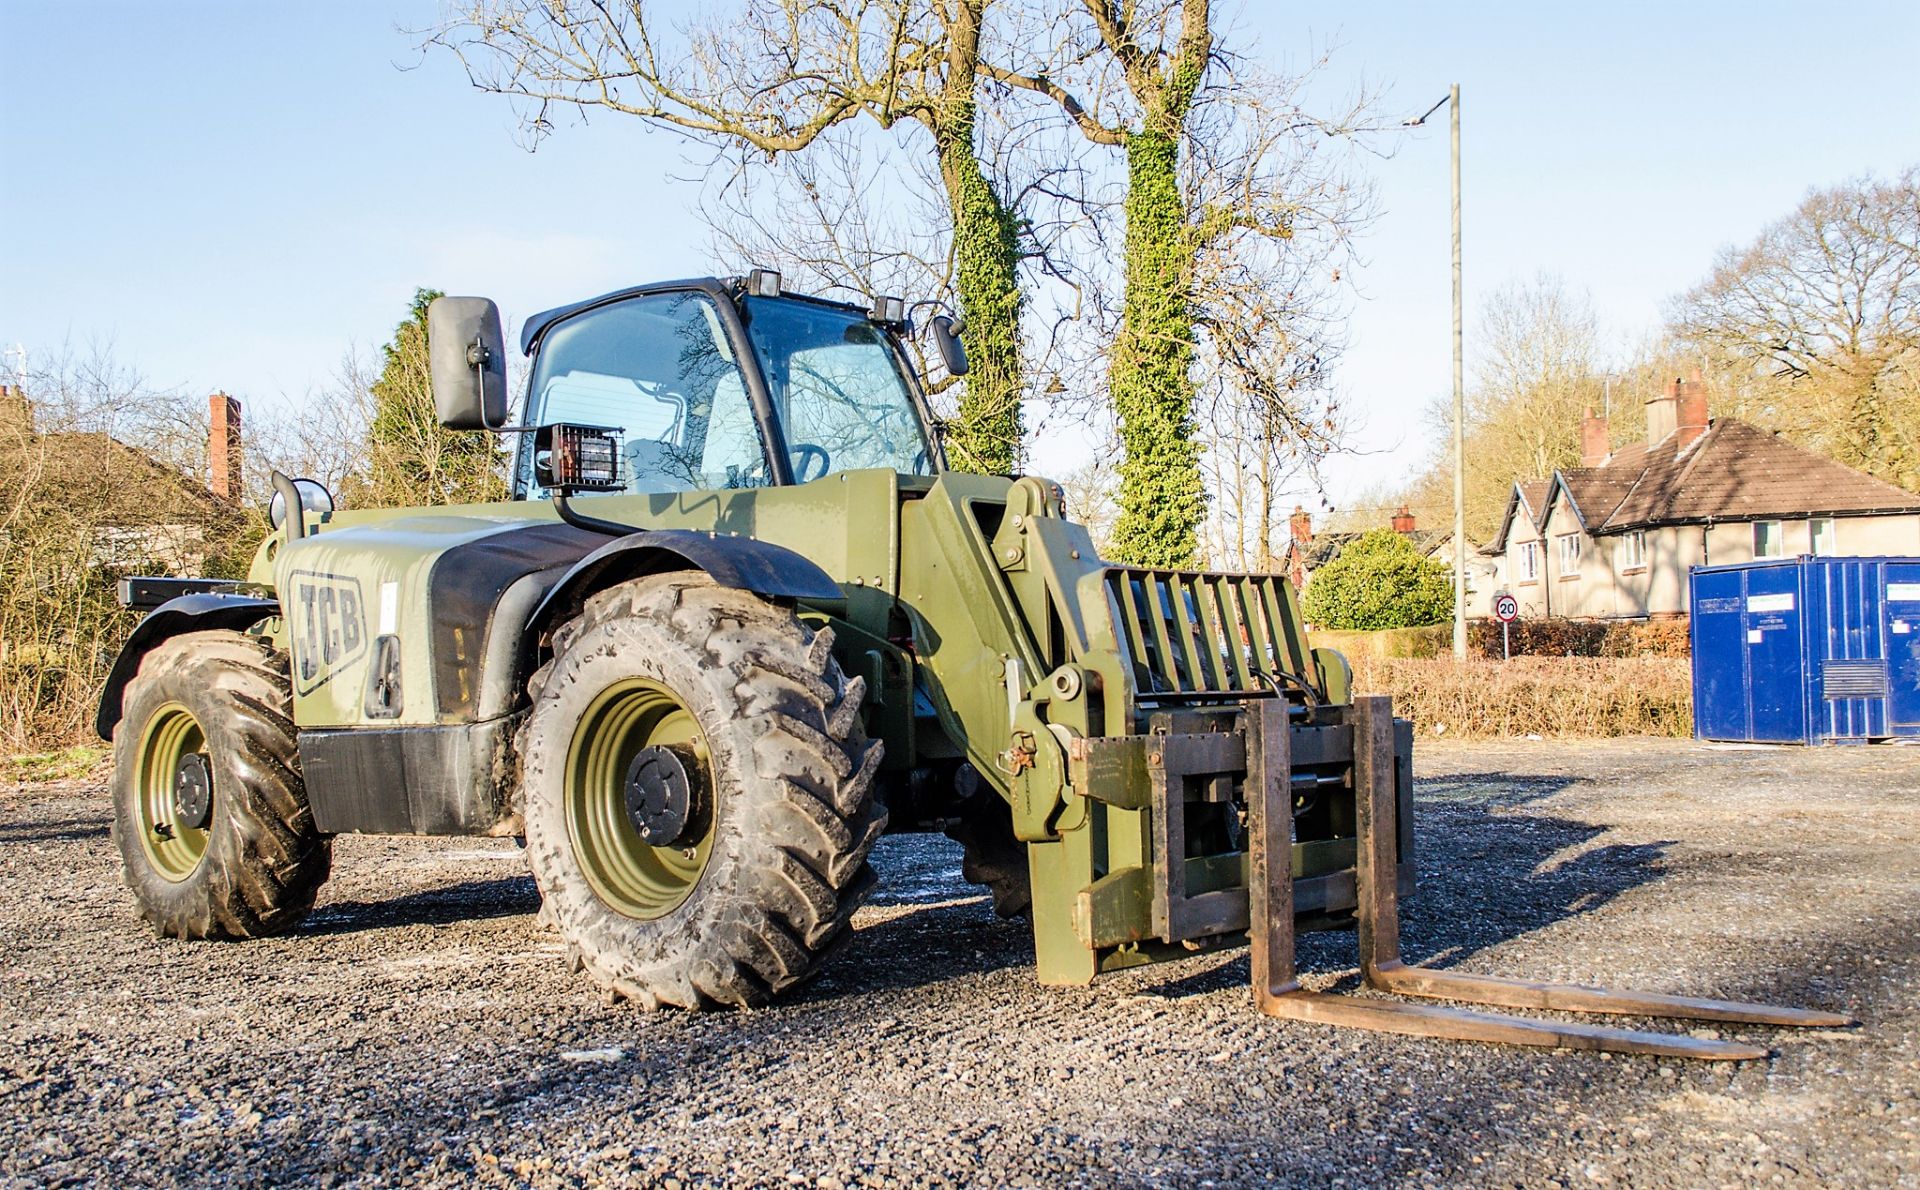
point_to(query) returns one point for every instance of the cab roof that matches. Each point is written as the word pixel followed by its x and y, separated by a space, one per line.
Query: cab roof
pixel 724 289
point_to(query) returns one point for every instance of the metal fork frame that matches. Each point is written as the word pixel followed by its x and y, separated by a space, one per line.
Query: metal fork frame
pixel 1276 986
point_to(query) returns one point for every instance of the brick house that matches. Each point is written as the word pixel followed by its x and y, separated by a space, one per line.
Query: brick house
pixel 1615 537
pixel 140 514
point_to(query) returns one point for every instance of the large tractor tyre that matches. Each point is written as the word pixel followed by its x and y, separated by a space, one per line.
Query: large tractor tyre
pixel 991 854
pixel 699 793
pixel 209 812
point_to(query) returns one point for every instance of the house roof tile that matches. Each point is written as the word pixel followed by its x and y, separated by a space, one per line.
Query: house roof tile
pixel 1738 472
pixel 1732 472
pixel 1529 492
pixel 1534 493
pixel 1595 491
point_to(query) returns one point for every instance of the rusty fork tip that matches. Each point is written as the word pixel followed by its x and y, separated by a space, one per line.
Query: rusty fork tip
pixel 1737 1053
pixel 1807 1018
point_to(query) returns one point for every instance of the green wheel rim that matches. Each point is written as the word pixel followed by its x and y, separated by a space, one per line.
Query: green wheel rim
pixel 171 735
pixel 629 875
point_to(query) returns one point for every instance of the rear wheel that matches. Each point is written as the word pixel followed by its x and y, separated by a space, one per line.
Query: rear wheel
pixel 210 815
pixel 699 793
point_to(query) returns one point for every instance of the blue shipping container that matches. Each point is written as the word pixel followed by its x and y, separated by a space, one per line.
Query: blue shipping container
pixel 1806 650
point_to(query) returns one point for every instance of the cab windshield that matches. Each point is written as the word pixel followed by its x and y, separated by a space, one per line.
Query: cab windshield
pixel 661 368
pixel 837 389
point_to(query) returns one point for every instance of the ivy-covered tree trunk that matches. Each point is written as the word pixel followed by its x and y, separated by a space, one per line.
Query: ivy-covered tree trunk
pixel 1162 495
pixel 985 437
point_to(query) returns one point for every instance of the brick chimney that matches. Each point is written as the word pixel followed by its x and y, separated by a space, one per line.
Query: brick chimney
pixel 1690 413
pixel 1300 524
pixel 1403 521
pixel 1663 416
pixel 1595 444
pixel 224 477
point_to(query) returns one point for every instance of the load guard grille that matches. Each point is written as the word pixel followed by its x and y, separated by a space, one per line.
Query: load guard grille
pixel 1191 636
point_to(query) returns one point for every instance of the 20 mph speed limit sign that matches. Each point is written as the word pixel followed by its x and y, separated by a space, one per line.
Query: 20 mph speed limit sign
pixel 1506 608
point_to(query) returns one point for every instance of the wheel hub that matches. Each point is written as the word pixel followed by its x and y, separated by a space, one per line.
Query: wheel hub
pixel 193 792
pixel 662 794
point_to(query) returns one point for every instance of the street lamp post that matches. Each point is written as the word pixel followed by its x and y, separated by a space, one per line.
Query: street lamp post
pixel 1459 388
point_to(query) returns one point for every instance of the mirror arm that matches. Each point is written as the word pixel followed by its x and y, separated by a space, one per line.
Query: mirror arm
pixel 296 521
pixel 478 357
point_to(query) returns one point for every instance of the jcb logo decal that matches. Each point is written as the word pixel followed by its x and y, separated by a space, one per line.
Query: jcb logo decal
pixel 329 627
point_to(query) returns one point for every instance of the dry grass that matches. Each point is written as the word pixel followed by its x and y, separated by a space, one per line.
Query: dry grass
pixel 81 760
pixel 1543 696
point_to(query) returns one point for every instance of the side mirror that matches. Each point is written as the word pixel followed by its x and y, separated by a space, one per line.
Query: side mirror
pixel 468 357
pixel 310 494
pixel 946 340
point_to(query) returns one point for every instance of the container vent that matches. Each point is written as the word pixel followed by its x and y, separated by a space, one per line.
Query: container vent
pixel 1854 679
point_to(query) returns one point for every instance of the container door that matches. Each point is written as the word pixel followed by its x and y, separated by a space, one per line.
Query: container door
pixel 1847 622
pixel 1903 647
pixel 1772 617
pixel 1719 655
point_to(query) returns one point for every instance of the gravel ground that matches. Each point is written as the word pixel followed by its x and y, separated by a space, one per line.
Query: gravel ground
pixel 420 1027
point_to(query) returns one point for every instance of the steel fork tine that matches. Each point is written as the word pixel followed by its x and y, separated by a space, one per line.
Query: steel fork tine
pixel 1276 987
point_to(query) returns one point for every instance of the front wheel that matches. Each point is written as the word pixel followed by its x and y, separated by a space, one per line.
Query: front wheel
pixel 991 854
pixel 699 800
pixel 209 812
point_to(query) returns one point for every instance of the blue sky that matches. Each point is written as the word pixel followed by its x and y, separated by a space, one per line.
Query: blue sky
pixel 232 194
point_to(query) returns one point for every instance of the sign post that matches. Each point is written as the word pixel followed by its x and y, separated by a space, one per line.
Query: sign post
pixel 1506 609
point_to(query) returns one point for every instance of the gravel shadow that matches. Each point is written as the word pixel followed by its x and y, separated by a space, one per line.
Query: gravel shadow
pixel 470 900
pixel 65 830
pixel 1484 876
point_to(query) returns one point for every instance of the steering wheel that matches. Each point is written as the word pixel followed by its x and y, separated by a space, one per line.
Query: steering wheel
pixel 804 454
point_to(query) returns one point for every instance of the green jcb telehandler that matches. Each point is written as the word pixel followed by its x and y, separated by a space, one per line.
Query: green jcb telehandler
pixel 738 619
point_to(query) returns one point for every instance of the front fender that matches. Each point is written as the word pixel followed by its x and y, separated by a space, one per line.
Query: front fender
pixel 188 613
pixel 768 570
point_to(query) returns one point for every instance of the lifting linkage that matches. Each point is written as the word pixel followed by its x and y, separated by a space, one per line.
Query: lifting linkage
pixel 1276 988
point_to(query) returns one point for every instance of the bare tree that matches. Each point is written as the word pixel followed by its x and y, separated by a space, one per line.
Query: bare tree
pixel 769 77
pixel 1812 320
pixel 80 506
pixel 323 436
pixel 862 214
pixel 1538 372
pixel 1218 175
pixel 1266 294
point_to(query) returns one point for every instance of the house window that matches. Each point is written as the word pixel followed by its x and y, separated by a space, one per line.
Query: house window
pixel 1821 530
pixel 1767 541
pixel 1633 550
pixel 1529 561
pixel 1569 550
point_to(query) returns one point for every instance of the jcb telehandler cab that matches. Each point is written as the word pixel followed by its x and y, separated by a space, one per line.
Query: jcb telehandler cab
pixel 737 619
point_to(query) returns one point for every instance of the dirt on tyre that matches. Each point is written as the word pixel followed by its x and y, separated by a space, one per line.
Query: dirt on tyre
pixel 209 812
pixel 698 793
